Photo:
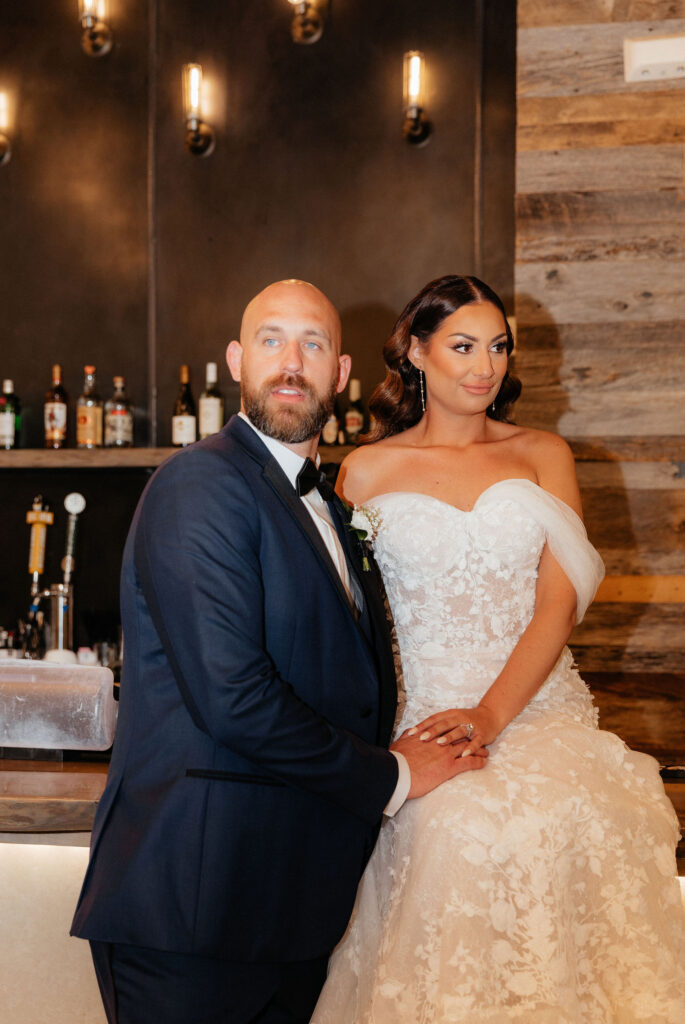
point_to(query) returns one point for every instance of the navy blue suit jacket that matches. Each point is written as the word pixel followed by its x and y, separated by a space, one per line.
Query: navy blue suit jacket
pixel 249 774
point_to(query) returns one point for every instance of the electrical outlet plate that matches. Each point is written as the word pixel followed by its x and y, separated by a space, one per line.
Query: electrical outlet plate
pixel 653 58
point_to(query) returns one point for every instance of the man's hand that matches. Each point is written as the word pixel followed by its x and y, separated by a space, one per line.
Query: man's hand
pixel 431 765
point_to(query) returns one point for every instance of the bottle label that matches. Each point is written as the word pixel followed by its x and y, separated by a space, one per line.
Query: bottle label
pixel 329 434
pixel 55 421
pixel 7 424
pixel 182 429
pixel 211 415
pixel 354 421
pixel 118 427
pixel 89 426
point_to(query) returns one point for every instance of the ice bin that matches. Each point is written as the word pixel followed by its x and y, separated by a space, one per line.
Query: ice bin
pixel 59 707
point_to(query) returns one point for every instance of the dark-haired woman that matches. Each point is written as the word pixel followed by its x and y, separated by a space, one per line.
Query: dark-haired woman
pixel 542 889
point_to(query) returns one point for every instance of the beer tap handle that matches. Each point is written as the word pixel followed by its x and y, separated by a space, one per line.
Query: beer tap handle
pixel 39 517
pixel 74 503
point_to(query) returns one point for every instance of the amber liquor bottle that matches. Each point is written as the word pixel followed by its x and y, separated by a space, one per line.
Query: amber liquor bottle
pixel 55 411
pixel 184 421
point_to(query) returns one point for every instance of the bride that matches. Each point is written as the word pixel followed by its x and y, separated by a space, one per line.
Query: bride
pixel 542 889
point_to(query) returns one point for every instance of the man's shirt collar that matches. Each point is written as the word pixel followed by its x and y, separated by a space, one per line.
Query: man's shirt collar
pixel 290 462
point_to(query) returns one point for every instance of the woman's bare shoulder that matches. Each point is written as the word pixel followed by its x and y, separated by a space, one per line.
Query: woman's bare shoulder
pixel 552 460
pixel 361 470
pixel 542 444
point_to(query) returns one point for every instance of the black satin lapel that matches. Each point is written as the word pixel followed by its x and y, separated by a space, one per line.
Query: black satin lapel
pixel 286 492
pixel 354 554
pixel 376 615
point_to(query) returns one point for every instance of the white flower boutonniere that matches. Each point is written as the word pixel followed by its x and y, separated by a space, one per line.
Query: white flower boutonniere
pixel 365 523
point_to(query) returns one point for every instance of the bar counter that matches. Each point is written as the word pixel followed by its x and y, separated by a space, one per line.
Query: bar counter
pixel 46 814
pixel 49 796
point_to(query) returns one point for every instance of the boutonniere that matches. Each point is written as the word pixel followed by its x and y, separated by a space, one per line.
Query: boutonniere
pixel 364 523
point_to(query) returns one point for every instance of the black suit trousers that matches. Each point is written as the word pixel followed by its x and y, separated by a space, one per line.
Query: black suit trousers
pixel 149 986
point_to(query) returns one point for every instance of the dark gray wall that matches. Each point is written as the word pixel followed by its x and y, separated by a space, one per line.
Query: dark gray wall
pixel 123 250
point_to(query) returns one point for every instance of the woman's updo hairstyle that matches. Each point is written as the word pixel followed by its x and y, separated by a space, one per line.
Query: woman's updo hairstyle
pixel 396 402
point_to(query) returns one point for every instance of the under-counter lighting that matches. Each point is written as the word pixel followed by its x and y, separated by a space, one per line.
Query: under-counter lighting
pixel 5 126
pixel 199 135
pixel 308 19
pixel 96 35
pixel 416 127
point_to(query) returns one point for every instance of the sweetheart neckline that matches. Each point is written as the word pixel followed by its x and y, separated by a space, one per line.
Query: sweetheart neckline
pixel 467 511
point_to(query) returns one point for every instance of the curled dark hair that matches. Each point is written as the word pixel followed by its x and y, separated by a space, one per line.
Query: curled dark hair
pixel 396 403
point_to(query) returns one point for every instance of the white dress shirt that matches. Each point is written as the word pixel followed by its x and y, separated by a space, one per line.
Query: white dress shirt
pixel 291 463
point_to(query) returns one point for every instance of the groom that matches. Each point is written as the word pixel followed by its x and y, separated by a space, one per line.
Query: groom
pixel 250 770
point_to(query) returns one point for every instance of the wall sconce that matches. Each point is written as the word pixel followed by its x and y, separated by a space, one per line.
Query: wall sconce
pixel 199 135
pixel 5 144
pixel 96 35
pixel 416 128
pixel 308 19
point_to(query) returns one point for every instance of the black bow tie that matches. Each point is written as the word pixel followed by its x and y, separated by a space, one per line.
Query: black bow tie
pixel 311 476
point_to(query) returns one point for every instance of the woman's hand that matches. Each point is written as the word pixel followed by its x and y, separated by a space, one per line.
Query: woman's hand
pixel 452 726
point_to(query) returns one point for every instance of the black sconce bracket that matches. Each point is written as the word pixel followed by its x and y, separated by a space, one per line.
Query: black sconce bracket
pixel 200 139
pixel 96 38
pixel 416 128
pixel 5 149
pixel 308 21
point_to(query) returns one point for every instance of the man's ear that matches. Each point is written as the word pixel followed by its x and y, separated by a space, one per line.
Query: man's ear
pixel 234 357
pixel 415 352
pixel 344 370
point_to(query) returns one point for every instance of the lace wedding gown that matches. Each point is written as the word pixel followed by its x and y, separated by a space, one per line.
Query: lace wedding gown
pixel 543 888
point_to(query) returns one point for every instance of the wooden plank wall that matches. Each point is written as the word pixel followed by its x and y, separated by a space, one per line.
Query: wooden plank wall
pixel 600 305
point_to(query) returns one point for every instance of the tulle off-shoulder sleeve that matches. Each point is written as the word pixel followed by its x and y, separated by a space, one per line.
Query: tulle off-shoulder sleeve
pixel 566 537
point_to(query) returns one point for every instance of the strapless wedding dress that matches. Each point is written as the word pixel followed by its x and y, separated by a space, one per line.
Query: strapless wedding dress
pixel 543 888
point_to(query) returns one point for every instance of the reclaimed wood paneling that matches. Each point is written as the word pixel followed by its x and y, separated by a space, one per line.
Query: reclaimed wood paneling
pixel 631 638
pixel 629 168
pixel 589 226
pixel 600 306
pixel 642 589
pixel 583 59
pixel 582 292
pixel 609 120
pixel 645 710
pixel 540 13
pixel 637 532
pixel 609 342
pixel 553 408
pixel 635 449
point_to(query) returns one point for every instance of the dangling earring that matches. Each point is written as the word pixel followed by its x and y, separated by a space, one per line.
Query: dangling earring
pixel 423 390
pixel 493 408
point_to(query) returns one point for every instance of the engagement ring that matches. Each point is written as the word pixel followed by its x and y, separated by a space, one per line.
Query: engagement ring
pixel 469 728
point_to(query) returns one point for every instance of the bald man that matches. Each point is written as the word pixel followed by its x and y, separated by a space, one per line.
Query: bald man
pixel 250 770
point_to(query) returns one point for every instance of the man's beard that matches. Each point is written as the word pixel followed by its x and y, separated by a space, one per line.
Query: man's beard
pixel 291 424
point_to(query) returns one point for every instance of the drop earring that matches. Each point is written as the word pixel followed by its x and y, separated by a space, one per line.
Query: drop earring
pixel 493 408
pixel 423 390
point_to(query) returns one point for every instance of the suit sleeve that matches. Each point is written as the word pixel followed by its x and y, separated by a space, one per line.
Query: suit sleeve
pixel 197 561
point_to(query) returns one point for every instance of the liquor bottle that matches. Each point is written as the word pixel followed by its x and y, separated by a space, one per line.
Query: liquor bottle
pixel 211 404
pixel 118 418
pixel 55 411
pixel 89 413
pixel 332 428
pixel 10 416
pixel 354 417
pixel 183 423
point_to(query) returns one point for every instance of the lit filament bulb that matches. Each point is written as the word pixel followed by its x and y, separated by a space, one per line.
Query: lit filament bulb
pixel 192 89
pixel 413 79
pixel 4 112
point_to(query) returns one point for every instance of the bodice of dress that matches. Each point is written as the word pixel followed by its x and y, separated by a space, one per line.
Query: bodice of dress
pixel 462 585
